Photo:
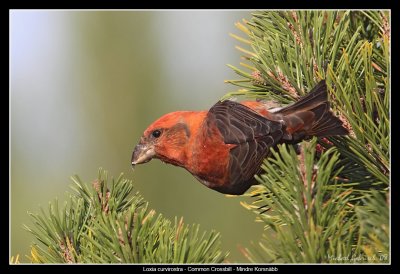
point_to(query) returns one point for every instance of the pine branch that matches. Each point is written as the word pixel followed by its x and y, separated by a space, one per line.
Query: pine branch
pixel 315 210
pixel 375 238
pixel 310 217
pixel 105 223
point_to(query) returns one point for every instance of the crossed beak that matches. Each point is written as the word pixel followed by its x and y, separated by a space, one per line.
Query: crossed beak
pixel 142 154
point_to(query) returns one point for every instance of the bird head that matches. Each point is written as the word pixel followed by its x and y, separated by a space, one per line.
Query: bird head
pixel 166 139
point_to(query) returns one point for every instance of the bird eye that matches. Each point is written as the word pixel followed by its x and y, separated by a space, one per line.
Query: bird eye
pixel 156 133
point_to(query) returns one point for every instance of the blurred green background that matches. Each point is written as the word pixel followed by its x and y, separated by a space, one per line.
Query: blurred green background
pixel 85 85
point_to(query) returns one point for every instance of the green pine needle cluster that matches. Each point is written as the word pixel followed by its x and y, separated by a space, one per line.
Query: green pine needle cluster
pixel 330 203
pixel 311 217
pixel 106 223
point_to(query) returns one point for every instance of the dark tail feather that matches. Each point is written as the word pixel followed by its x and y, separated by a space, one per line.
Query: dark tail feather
pixel 311 116
pixel 327 124
pixel 315 97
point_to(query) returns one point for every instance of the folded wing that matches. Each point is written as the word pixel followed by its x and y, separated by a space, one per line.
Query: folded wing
pixel 252 135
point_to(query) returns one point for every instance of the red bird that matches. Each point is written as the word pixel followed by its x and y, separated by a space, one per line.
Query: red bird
pixel 225 146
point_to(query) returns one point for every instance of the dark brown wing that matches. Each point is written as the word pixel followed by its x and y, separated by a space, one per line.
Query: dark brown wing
pixel 253 136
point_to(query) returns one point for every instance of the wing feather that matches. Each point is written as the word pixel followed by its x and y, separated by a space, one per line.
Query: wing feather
pixel 253 136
